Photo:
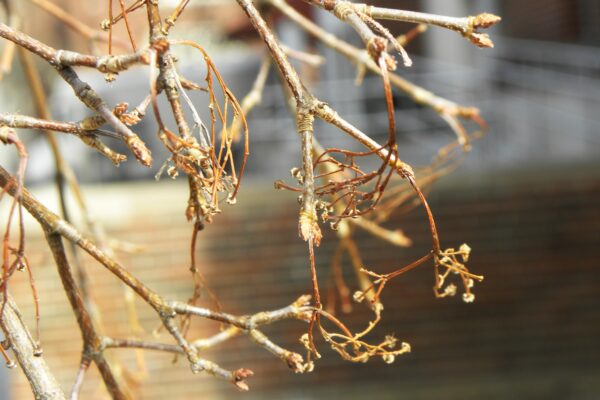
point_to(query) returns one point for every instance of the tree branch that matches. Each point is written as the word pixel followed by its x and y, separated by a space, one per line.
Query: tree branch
pixel 92 343
pixel 65 58
pixel 42 381
pixel 167 310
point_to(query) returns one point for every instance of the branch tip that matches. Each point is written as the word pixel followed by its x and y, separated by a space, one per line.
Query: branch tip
pixel 239 377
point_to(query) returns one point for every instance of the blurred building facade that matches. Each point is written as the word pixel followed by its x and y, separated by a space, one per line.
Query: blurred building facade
pixel 530 334
pixel 539 88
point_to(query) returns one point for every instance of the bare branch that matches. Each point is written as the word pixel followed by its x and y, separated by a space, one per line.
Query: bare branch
pixel 42 381
pixel 91 341
pixel 334 183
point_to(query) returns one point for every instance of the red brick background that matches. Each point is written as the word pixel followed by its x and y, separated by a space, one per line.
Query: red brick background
pixel 532 332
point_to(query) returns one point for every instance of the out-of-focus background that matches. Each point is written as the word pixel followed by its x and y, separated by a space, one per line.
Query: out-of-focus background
pixel 526 200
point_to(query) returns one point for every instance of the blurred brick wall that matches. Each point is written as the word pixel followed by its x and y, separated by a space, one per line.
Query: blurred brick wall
pixel 531 334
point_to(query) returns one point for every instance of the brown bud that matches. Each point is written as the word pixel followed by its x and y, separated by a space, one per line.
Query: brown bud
pixel 120 109
pixel 485 20
pixel 309 228
pixel 294 361
pixel 376 46
pixel 239 376
pixel 139 150
pixel 481 40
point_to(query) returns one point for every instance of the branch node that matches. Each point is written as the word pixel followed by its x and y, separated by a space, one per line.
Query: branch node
pixel 343 9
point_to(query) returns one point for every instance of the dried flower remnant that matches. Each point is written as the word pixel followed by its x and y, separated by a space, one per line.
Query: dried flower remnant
pixel 452 261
